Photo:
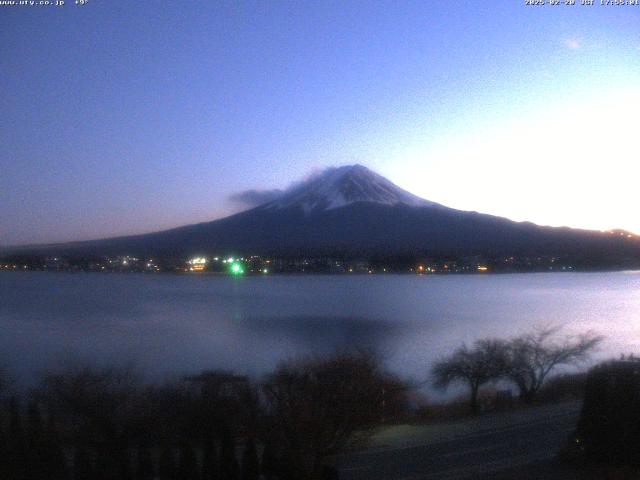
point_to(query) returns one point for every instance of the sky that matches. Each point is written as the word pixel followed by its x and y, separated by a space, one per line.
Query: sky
pixel 122 117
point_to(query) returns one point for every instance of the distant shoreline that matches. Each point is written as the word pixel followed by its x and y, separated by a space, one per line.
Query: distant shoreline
pixel 326 274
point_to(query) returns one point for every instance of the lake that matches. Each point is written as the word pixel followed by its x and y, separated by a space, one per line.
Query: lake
pixel 173 324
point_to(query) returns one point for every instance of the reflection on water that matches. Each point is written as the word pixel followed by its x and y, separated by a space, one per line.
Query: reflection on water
pixel 175 324
pixel 320 334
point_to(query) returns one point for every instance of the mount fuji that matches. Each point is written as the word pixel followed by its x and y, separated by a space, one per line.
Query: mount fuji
pixel 353 211
pixel 342 186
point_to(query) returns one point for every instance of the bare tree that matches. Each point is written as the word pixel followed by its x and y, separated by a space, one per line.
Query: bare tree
pixel 531 357
pixel 485 361
pixel 319 407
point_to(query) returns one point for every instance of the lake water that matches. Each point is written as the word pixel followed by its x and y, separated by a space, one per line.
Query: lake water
pixel 173 324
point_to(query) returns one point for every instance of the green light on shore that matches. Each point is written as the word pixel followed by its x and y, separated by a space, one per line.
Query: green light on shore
pixel 236 268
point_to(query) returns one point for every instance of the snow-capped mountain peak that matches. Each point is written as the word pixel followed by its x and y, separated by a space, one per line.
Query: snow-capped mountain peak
pixel 340 186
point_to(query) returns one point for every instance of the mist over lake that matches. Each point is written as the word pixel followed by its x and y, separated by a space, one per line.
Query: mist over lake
pixel 173 324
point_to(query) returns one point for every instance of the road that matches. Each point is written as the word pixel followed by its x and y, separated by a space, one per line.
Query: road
pixel 465 449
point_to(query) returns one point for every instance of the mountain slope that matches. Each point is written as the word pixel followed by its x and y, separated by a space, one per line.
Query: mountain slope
pixel 353 211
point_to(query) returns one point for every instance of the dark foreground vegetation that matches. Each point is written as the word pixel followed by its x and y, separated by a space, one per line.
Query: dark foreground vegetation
pixel 608 431
pixel 106 424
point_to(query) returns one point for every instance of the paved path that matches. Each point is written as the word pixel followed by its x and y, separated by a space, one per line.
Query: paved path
pixel 465 449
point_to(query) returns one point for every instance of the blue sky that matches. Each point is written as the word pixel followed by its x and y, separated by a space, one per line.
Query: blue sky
pixel 122 117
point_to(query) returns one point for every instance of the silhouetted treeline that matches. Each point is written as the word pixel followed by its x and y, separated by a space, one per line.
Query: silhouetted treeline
pixel 105 424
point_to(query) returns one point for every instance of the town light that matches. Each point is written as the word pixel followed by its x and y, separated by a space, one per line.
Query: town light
pixel 198 261
pixel 236 268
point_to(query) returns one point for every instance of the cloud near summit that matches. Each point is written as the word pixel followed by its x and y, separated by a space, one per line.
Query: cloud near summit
pixel 254 197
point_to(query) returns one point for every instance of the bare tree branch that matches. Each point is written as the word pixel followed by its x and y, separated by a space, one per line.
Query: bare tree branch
pixel 319 407
pixel 532 357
